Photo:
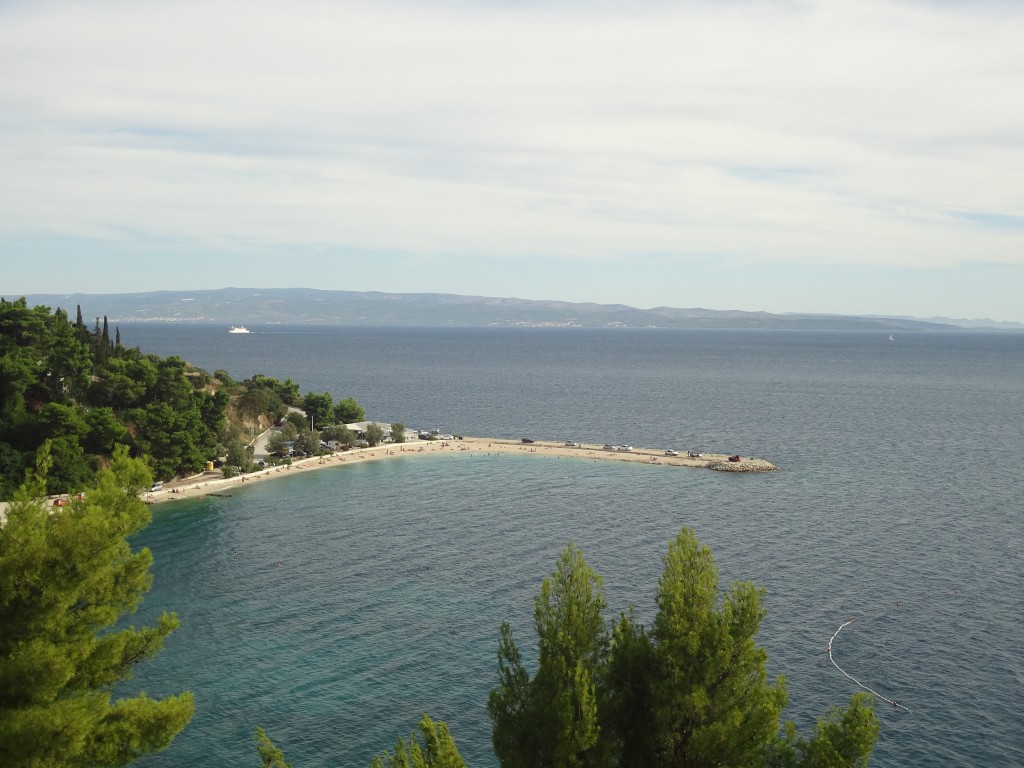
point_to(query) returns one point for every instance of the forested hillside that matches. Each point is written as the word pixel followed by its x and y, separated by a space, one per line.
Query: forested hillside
pixel 85 392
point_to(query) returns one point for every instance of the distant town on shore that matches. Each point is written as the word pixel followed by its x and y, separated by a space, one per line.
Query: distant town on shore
pixel 255 306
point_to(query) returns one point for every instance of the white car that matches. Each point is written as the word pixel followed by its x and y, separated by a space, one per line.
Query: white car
pixel 671 453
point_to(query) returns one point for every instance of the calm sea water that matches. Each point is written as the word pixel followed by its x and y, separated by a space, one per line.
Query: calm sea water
pixel 334 607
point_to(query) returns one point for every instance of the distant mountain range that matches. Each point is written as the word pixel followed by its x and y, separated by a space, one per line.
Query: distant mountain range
pixel 251 306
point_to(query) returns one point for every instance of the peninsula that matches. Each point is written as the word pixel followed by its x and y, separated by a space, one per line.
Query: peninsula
pixel 213 482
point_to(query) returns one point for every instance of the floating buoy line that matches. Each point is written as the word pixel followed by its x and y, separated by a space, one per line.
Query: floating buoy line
pixel 1014 583
pixel 858 683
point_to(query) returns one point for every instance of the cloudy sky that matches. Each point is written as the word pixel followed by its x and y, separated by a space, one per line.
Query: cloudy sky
pixel 846 156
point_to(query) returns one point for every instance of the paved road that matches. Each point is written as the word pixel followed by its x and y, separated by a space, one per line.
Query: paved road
pixel 259 445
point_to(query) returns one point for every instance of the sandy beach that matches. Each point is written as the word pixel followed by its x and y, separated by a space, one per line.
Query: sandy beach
pixel 213 483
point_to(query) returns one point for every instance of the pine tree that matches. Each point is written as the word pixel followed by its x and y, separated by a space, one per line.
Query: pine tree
pixel 711 702
pixel 552 720
pixel 438 750
pixel 690 692
pixel 270 755
pixel 66 577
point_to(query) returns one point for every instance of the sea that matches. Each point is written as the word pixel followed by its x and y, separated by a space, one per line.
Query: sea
pixel 333 608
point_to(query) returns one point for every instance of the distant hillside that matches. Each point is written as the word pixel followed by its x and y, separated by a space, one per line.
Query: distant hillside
pixel 252 306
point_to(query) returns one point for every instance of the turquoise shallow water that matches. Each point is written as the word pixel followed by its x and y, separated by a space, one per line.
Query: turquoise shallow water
pixel 333 607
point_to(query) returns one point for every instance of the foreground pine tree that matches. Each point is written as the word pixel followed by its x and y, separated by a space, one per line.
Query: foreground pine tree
pixel 438 750
pixel 552 720
pixel 689 692
pixel 67 575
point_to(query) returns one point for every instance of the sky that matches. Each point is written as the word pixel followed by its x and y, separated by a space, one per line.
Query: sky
pixel 846 156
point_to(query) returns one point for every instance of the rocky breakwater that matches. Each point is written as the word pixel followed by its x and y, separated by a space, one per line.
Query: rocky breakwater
pixel 740 464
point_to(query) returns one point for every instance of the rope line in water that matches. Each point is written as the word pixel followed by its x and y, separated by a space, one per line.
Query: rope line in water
pixel 913 602
pixel 895 704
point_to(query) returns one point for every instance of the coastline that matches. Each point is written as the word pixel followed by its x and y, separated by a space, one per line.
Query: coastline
pixel 211 483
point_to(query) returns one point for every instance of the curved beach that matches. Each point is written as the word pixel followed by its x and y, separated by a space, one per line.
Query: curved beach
pixel 213 482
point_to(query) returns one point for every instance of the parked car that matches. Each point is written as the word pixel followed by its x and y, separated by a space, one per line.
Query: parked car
pixel 671 453
pixel 527 440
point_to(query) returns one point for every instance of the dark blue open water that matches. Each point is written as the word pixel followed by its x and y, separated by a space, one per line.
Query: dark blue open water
pixel 334 607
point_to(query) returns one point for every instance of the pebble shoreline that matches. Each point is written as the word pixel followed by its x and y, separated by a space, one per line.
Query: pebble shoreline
pixel 213 482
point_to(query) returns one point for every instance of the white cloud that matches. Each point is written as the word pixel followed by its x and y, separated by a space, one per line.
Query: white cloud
pixel 850 132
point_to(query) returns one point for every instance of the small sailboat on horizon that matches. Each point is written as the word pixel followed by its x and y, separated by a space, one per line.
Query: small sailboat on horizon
pixel 891 337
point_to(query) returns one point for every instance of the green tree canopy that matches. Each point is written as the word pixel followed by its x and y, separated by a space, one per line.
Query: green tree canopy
pixel 258 401
pixel 341 433
pixel 374 434
pixel 42 358
pixel 690 692
pixel 843 739
pixel 309 442
pixel 66 577
pixel 287 390
pixel 125 381
pixel 105 431
pixel 84 392
pixel 438 750
pixel 239 454
pixel 348 411
pixel 320 407
pixel 552 719
pixel 270 755
pixel 298 421
pixel 276 441
pixel 710 702
pixel 68 362
pixel 69 467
